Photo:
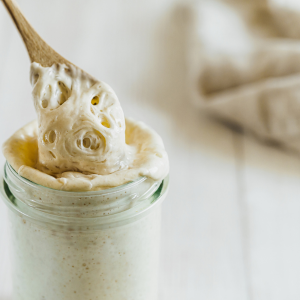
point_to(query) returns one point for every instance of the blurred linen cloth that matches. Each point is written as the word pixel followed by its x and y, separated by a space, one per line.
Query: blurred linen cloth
pixel 245 66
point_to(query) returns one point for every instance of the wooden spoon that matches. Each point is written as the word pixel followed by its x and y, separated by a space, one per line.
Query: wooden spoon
pixel 39 51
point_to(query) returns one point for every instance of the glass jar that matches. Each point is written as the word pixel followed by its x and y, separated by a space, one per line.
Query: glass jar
pixel 84 245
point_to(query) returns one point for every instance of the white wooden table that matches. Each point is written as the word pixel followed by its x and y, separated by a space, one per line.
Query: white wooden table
pixel 231 223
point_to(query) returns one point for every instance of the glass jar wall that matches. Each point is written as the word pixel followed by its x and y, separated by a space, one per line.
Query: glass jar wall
pixel 84 245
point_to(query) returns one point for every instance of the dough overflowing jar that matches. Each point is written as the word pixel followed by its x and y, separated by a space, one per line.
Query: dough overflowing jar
pixel 84 245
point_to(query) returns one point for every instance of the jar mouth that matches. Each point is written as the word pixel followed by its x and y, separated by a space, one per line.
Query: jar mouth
pixel 33 185
pixel 43 204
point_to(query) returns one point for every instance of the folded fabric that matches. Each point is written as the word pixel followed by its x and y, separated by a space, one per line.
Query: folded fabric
pixel 245 66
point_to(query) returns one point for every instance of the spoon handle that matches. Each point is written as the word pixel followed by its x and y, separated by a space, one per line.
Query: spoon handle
pixel 39 51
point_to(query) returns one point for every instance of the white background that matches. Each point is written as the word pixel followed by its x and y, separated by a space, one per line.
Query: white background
pixel 231 222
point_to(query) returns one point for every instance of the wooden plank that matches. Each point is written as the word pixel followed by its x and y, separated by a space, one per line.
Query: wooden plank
pixel 271 197
pixel 202 254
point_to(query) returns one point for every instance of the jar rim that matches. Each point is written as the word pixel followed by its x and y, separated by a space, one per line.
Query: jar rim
pixel 12 194
pixel 70 193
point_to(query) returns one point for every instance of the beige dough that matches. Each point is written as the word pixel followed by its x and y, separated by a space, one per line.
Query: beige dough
pixel 81 141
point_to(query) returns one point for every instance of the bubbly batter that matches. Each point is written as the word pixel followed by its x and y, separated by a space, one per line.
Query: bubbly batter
pixel 81 140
